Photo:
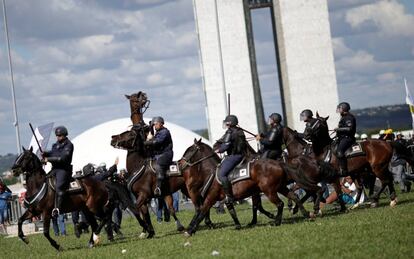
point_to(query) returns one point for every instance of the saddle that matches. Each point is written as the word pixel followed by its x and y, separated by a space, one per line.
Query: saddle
pixel 75 186
pixel 239 173
pixel 353 151
pixel 173 170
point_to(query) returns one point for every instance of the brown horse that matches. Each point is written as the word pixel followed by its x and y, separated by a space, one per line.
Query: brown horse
pixel 267 176
pixel 40 198
pixel 198 171
pixel 142 180
pixel 376 159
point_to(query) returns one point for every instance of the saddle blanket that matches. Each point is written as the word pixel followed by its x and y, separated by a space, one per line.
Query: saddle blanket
pixel 239 173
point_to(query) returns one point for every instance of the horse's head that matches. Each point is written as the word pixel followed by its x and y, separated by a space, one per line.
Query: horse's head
pixel 294 144
pixel 139 102
pixel 131 139
pixel 26 163
pixel 195 152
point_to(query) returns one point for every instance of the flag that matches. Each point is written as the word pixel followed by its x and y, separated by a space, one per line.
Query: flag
pixel 410 101
pixel 43 134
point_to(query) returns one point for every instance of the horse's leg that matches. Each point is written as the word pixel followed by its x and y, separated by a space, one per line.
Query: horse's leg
pixel 303 200
pixel 199 216
pixel 291 195
pixel 261 209
pixel 169 201
pixel 46 226
pixel 142 206
pixel 26 215
pixel 338 191
pixel 274 198
pixel 393 194
pixel 207 220
pixel 141 222
pixel 90 217
pixel 257 206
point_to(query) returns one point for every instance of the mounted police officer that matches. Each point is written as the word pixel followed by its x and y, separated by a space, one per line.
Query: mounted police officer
pixel 234 143
pixel 311 124
pixel 162 146
pixel 346 135
pixel 271 143
pixel 61 159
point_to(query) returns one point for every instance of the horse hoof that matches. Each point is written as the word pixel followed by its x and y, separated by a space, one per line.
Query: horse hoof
pixel 312 215
pixel 142 235
pixel 24 239
pixel 210 226
pixel 90 245
pixel 318 213
pixel 354 206
pixel 238 227
pixel 295 210
pixel 60 249
pixel 95 239
pixel 180 228
pixel 251 224
pixel 374 204
pixel 151 235
pixel 393 203
pixel 187 234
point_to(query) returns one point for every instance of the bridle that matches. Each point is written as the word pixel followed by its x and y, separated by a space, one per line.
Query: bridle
pixel 187 162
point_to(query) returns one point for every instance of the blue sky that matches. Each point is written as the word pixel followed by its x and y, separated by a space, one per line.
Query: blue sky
pixel 74 60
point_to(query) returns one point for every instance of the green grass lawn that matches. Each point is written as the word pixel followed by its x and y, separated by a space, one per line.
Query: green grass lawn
pixel 381 232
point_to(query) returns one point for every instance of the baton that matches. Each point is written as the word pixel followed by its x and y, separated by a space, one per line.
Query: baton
pixel 247 131
pixel 37 141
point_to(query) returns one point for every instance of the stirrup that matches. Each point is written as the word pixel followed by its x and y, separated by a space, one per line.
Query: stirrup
pixel 157 191
pixel 55 212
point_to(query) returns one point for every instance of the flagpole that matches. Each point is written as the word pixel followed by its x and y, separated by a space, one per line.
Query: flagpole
pixel 409 100
pixel 16 121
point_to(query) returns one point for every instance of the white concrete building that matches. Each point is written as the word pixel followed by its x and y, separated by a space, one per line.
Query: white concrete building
pixel 227 56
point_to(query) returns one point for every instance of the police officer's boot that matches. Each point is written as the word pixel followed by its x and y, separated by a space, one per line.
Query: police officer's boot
pixel 228 191
pixel 229 202
pixel 343 166
pixel 58 204
pixel 160 179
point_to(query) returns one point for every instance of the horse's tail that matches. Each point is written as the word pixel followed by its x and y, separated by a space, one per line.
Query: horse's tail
pixel 301 178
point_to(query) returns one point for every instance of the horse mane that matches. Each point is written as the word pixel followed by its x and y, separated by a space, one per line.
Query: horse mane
pixel 297 138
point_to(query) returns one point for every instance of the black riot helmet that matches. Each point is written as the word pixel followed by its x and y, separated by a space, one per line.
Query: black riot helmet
pixel 305 115
pixel 158 119
pixel 231 120
pixel 343 107
pixel 61 131
pixel 275 118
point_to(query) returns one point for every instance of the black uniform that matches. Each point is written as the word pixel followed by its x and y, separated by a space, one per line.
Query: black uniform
pixel 234 143
pixel 346 137
pixel 271 144
pixel 61 159
pixel 162 147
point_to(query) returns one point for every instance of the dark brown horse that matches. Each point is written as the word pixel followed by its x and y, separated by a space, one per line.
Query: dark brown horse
pixel 142 180
pixel 376 159
pixel 267 176
pixel 40 198
pixel 199 171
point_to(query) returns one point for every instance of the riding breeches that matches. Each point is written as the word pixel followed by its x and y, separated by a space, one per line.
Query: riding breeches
pixel 62 180
pixel 228 164
pixel 343 145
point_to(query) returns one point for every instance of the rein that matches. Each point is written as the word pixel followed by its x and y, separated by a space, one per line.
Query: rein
pixel 187 162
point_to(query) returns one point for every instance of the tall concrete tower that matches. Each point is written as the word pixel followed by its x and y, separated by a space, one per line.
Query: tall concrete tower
pixel 304 58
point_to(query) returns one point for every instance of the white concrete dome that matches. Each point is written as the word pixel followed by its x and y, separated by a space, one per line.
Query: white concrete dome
pixel 93 145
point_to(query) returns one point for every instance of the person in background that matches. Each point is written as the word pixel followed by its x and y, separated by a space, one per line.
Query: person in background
pixel 5 195
pixel 59 225
pixel 364 137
